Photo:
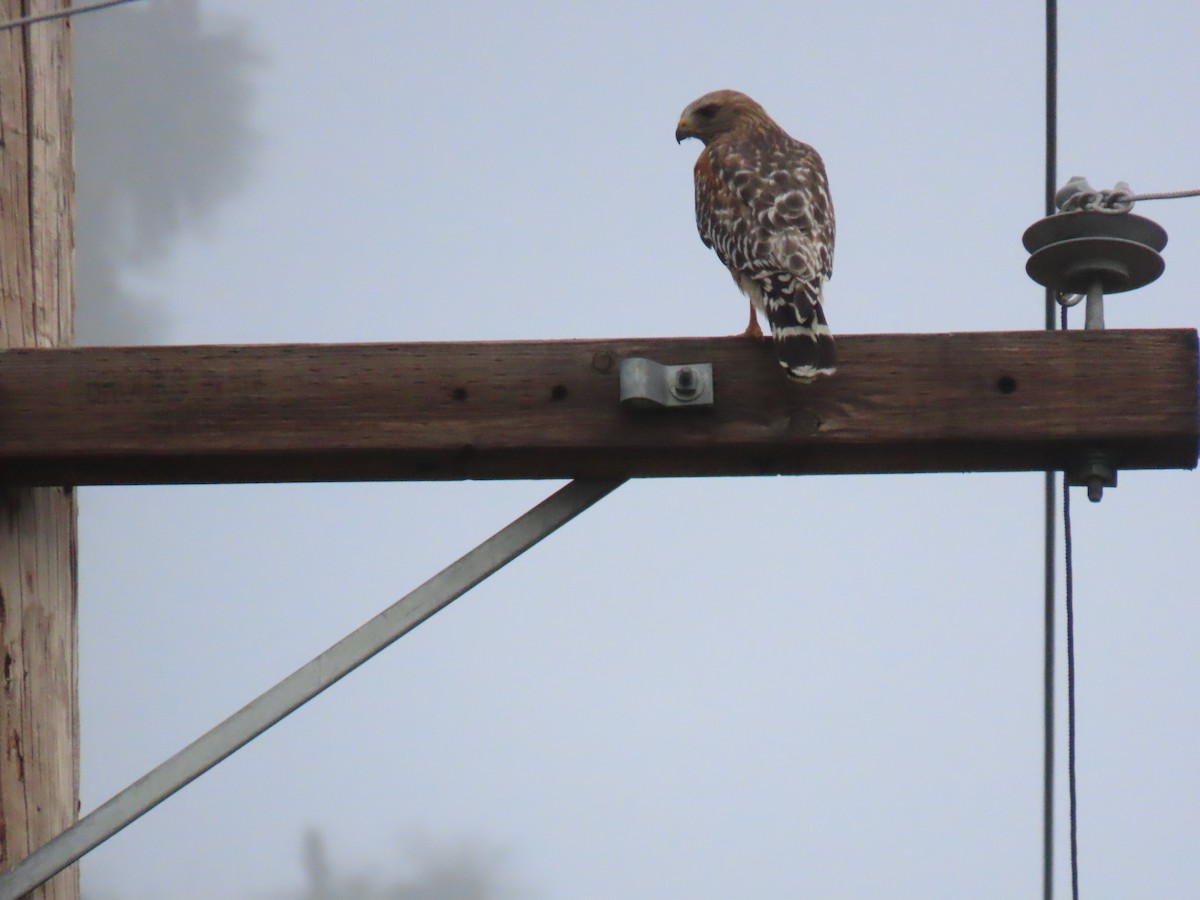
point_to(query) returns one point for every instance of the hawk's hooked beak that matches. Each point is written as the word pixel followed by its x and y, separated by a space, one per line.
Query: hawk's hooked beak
pixel 682 131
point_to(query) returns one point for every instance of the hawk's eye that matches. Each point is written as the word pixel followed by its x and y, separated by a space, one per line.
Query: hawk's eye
pixel 708 110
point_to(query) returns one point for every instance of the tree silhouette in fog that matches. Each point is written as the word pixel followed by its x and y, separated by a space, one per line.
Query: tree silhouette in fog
pixel 437 870
pixel 162 139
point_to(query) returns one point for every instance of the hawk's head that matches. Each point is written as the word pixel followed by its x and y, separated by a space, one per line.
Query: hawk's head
pixel 716 114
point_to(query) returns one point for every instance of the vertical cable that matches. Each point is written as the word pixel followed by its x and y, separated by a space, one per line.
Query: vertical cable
pixel 1069 590
pixel 1051 128
pixel 1048 488
pixel 1048 700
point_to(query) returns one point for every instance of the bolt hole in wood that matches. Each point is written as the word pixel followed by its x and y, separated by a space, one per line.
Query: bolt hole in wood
pixel 460 393
pixel 1006 384
pixel 558 392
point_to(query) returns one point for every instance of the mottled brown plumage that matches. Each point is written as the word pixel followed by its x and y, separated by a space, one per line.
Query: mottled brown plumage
pixel 762 203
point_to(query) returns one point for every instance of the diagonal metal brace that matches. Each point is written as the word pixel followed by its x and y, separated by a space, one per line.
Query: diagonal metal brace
pixel 301 686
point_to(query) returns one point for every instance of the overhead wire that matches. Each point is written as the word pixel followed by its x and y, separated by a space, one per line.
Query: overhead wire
pixel 61 14
pixel 1068 569
pixel 1163 195
pixel 1049 485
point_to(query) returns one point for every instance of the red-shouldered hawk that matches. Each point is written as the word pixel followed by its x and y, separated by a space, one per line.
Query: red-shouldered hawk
pixel 762 203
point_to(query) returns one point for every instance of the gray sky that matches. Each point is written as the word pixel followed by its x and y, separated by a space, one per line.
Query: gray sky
pixel 825 687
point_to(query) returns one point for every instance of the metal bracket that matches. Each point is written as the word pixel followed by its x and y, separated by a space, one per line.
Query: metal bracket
pixel 646 384
pixel 1096 473
pixel 301 686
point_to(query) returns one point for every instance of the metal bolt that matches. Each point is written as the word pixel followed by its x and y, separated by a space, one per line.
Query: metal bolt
pixel 686 384
pixel 647 384
pixel 1096 473
pixel 1094 311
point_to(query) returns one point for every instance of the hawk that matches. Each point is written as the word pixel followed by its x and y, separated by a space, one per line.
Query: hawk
pixel 762 203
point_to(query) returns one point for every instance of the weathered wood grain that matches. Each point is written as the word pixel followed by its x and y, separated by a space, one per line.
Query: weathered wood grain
pixel 39 711
pixel 899 403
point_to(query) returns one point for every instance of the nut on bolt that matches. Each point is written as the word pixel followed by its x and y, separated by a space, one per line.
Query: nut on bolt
pixel 646 384
pixel 685 385
pixel 1096 473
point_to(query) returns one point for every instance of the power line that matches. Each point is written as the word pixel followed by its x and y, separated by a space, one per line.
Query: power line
pixel 61 14
pixel 1049 484
pixel 1163 195
pixel 1068 573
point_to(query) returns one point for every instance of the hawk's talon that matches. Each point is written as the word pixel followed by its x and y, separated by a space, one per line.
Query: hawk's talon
pixel 753 330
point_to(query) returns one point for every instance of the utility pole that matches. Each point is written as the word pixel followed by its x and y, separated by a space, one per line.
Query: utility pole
pixel 39 709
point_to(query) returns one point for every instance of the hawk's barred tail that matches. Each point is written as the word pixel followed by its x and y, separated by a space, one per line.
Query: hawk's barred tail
pixel 803 341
